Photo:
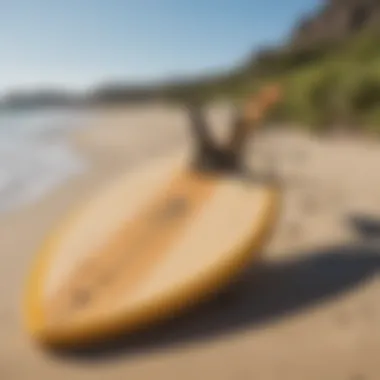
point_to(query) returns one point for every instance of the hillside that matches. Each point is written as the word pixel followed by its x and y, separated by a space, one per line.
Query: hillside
pixel 329 67
pixel 337 20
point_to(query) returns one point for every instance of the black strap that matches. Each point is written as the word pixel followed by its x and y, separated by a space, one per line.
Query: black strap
pixel 209 155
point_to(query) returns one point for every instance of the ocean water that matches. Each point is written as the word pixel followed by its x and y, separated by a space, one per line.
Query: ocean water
pixel 35 157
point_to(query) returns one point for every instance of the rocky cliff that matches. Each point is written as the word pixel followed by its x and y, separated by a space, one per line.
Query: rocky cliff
pixel 337 20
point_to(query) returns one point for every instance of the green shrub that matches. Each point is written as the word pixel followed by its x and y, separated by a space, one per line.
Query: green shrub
pixel 323 86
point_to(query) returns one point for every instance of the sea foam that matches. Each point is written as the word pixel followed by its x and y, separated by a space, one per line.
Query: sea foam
pixel 34 155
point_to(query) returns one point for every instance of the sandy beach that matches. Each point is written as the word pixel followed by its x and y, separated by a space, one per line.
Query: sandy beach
pixel 310 311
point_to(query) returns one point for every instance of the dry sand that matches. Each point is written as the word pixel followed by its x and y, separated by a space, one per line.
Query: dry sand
pixel 311 311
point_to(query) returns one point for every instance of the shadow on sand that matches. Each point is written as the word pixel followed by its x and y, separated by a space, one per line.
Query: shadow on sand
pixel 263 294
pixel 365 226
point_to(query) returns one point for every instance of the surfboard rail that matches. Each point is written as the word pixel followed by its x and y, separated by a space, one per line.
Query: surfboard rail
pixel 178 300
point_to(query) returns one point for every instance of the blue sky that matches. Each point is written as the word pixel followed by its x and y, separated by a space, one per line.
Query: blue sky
pixel 78 43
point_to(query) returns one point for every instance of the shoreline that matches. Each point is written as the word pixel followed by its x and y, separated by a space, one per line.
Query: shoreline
pixel 38 157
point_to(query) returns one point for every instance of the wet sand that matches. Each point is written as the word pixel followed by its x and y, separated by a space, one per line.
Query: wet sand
pixel 310 311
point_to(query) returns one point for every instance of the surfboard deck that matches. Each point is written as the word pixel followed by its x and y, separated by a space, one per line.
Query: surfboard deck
pixel 145 247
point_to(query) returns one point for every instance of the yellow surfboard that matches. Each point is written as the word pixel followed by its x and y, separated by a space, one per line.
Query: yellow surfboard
pixel 147 246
